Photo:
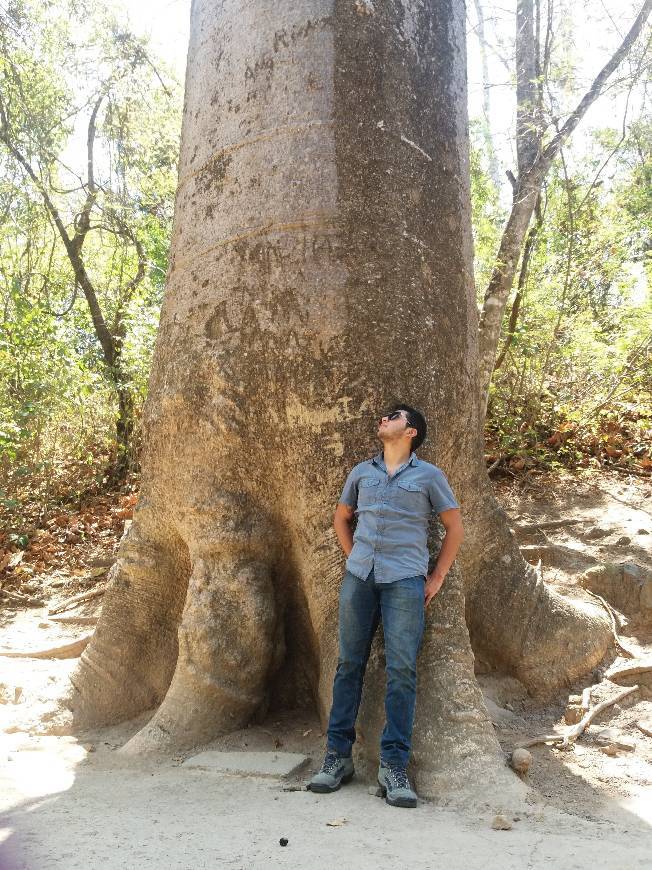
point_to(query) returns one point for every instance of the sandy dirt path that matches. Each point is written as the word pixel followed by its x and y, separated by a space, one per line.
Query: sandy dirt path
pixel 64 808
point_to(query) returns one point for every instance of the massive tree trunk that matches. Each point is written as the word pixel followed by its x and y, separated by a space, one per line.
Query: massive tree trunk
pixel 321 268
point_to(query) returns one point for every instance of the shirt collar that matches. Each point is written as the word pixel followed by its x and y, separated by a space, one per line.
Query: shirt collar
pixel 378 460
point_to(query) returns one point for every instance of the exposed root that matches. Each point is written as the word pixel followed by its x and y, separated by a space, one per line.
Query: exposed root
pixel 550 524
pixel 79 619
pixel 23 600
pixel 619 672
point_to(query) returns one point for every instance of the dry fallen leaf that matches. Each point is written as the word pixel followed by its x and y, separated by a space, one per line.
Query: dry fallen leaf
pixel 336 823
pixel 16 558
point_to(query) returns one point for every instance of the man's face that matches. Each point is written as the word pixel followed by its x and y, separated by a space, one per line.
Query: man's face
pixel 394 426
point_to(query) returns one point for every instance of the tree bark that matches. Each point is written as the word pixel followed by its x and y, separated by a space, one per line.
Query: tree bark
pixel 321 267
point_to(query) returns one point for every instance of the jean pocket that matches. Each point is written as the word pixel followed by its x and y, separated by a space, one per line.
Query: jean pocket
pixel 413 584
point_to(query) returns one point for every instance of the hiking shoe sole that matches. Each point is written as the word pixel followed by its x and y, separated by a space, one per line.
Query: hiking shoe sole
pixel 409 803
pixel 321 788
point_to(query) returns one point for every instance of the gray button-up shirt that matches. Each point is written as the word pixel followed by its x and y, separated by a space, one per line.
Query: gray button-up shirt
pixel 391 535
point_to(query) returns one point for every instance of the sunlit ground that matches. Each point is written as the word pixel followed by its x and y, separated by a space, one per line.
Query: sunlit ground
pixel 39 766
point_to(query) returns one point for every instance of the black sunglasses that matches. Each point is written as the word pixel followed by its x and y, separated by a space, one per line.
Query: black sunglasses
pixel 395 415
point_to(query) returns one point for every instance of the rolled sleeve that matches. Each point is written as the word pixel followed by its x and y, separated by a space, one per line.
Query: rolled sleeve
pixel 440 493
pixel 350 492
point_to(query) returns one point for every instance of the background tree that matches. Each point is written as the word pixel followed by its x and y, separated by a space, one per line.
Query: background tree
pixel 542 128
pixel 571 384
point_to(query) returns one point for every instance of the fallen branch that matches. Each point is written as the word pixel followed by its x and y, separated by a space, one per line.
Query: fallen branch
pixel 614 627
pixel 82 620
pixel 77 599
pixel 564 740
pixel 15 598
pixel 639 472
pixel 66 651
pixel 550 524
pixel 495 464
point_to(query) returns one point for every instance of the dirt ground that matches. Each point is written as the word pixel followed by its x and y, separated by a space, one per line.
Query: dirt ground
pixel 76 802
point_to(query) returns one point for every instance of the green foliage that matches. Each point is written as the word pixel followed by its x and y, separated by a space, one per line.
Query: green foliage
pixel 580 357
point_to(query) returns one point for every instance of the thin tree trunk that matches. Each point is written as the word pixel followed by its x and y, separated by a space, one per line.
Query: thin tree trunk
pixel 500 283
pixel 522 280
pixel 124 432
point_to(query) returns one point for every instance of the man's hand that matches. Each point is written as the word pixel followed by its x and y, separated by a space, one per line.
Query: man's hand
pixel 342 524
pixel 452 522
pixel 434 583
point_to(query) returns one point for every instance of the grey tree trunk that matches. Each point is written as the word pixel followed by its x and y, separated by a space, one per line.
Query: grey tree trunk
pixel 321 268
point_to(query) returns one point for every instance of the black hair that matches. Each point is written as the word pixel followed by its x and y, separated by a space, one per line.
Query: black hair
pixel 417 421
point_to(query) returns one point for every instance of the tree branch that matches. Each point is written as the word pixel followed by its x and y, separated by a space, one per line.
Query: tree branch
pixel 83 219
pixel 552 148
pixel 72 245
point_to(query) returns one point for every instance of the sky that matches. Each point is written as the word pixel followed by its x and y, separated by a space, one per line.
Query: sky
pixel 167 23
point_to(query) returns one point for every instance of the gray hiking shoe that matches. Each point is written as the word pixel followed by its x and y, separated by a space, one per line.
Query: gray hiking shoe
pixel 395 785
pixel 335 770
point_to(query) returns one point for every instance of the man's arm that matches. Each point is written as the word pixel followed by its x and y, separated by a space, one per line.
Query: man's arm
pixel 452 522
pixel 343 529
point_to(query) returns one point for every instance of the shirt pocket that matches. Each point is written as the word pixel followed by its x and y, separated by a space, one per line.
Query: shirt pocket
pixel 412 497
pixel 367 491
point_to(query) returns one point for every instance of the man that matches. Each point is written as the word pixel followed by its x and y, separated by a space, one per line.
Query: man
pixel 393 495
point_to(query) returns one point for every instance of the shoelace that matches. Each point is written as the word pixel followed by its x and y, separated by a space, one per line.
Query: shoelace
pixel 330 762
pixel 399 777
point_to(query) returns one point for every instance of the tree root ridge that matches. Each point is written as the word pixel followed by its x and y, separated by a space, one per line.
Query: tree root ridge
pixel 529 629
pixel 477 780
pixel 186 721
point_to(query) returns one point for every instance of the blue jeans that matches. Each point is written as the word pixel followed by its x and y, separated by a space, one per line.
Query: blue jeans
pixel 362 604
